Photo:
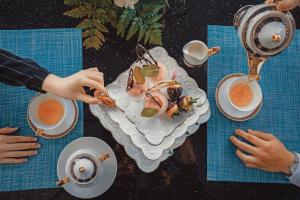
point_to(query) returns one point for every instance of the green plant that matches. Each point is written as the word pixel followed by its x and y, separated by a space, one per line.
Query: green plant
pixel 144 21
pixel 96 14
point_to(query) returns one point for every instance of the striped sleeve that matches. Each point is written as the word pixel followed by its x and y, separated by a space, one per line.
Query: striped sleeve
pixel 295 178
pixel 17 71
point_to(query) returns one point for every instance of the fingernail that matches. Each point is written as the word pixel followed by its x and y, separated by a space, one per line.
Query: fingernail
pixel 39 146
pixel 16 128
pixel 35 152
pixel 237 130
pixel 26 160
pixel 35 139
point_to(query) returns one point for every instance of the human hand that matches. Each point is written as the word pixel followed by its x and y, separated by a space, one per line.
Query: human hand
pixel 16 149
pixel 71 87
pixel 267 152
pixel 284 5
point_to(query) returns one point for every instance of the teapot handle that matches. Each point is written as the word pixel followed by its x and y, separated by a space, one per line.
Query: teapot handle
pixel 212 51
pixel 62 181
pixel 104 156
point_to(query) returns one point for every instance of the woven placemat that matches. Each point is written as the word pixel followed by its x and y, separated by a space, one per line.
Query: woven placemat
pixel 280 112
pixel 60 51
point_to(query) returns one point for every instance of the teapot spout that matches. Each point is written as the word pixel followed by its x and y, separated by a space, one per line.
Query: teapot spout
pixel 255 63
pixel 62 181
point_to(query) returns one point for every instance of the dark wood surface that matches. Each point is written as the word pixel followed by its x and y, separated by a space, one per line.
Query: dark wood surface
pixel 182 176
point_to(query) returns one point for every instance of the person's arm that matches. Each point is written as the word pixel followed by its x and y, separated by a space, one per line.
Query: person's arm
pixel 17 71
pixel 295 177
pixel 267 153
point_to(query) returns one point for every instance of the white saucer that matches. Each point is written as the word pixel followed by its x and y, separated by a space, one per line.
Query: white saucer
pixel 64 128
pixel 102 182
pixel 225 106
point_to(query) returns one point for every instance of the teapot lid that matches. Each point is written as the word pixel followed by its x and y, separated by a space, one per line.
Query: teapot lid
pixel 272 35
pixel 83 169
pixel 270 31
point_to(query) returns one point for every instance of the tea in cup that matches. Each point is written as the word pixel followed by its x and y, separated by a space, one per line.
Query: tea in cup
pixel 47 111
pixel 244 95
pixel 196 53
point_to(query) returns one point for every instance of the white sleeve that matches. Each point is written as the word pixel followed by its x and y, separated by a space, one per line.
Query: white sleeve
pixel 295 178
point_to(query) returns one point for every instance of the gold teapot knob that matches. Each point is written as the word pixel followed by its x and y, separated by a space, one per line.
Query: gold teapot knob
pixel 81 169
pixel 62 181
pixel 104 156
pixel 276 38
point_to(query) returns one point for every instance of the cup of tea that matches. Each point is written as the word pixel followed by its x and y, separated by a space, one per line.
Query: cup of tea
pixel 196 53
pixel 244 95
pixel 47 112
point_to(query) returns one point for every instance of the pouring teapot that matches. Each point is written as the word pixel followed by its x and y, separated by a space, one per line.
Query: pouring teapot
pixel 264 32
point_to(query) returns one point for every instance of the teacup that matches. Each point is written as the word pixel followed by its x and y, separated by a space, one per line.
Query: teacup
pixel 196 53
pixel 255 92
pixel 35 115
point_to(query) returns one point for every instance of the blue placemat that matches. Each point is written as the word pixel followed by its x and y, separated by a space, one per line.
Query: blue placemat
pixel 58 50
pixel 280 113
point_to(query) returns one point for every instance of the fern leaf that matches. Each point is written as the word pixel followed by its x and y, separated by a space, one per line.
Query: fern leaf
pixel 133 28
pixel 92 42
pixel 104 2
pixel 151 9
pixel 142 32
pixel 97 33
pixel 125 19
pixel 158 8
pixel 111 14
pixel 100 26
pixel 147 36
pixel 156 26
pixel 72 2
pixel 87 33
pixel 101 15
pixel 155 37
pixel 78 12
pixel 155 18
pixel 87 23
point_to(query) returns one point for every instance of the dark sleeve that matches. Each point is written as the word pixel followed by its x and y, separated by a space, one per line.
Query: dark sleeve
pixel 18 71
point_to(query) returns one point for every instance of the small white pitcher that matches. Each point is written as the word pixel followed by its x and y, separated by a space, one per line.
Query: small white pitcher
pixel 196 53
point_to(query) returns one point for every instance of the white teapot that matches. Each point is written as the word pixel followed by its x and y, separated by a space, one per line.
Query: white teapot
pixel 264 32
pixel 86 167
pixel 82 168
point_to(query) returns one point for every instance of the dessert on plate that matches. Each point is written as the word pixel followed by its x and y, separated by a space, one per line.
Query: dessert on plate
pixel 150 81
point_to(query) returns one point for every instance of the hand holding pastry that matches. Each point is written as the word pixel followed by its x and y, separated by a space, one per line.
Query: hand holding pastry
pixel 105 99
pixel 71 87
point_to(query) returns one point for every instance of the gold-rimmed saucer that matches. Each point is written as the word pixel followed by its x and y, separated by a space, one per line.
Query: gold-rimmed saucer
pixel 64 128
pixel 224 105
